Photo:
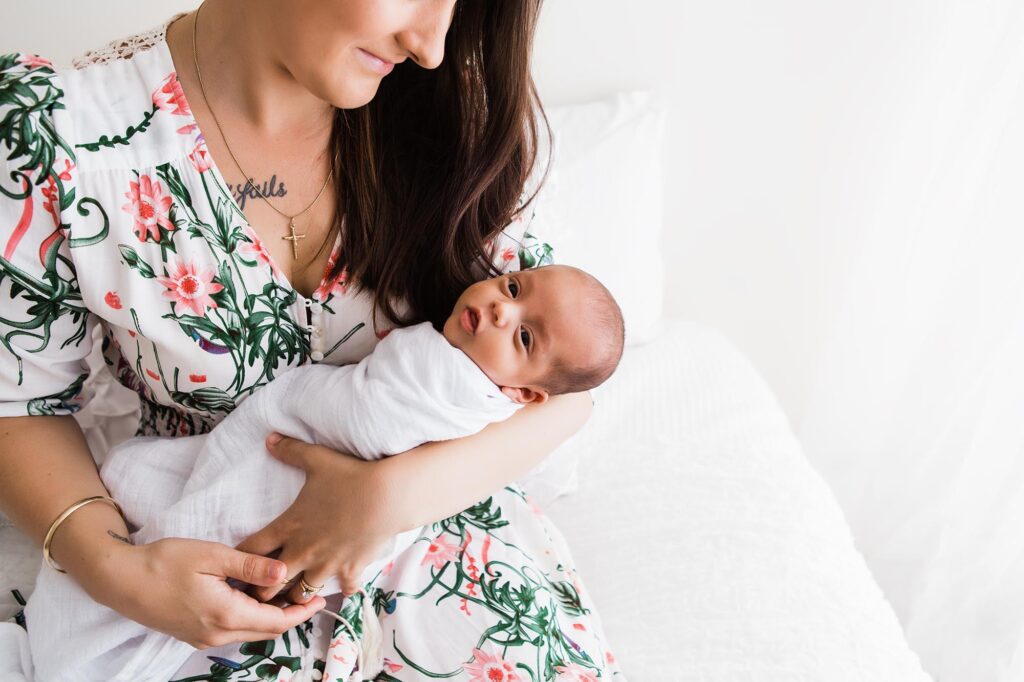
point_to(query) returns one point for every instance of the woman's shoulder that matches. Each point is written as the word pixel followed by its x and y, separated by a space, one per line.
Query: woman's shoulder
pixel 106 106
pixel 31 98
pixel 30 84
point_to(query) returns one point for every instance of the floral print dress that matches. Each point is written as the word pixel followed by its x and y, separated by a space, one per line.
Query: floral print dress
pixel 113 214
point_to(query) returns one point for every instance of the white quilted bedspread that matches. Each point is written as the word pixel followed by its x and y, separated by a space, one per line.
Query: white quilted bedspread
pixel 713 549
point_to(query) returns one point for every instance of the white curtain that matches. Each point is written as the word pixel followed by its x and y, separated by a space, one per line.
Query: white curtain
pixel 917 413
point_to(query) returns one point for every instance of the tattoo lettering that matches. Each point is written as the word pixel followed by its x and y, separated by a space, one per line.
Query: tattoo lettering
pixel 119 537
pixel 250 190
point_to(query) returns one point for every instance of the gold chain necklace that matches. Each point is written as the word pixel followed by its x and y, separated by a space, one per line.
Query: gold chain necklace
pixel 294 238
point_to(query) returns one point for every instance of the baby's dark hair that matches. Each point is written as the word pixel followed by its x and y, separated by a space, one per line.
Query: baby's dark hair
pixel 601 320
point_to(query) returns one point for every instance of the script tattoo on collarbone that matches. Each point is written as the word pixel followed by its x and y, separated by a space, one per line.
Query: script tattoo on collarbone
pixel 251 190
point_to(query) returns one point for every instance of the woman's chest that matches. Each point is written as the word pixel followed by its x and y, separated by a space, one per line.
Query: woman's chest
pixel 197 313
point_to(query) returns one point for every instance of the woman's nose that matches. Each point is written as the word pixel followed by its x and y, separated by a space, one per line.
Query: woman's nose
pixel 424 39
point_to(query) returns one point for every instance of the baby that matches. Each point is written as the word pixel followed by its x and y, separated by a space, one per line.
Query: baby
pixel 510 341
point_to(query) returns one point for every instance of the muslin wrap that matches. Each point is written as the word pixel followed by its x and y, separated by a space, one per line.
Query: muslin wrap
pixel 223 486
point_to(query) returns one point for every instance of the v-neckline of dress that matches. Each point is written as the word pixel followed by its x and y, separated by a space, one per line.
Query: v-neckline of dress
pixel 275 270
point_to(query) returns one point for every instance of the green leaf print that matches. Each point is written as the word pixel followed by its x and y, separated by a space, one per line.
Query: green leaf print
pixel 112 142
pixel 135 262
pixel 41 406
pixel 83 210
pixel 534 253
pixel 25 92
pixel 208 399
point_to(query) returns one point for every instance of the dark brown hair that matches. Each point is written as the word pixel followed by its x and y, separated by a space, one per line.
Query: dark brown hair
pixel 435 165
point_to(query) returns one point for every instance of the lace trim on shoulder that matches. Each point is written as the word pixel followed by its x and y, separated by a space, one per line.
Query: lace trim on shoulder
pixel 125 48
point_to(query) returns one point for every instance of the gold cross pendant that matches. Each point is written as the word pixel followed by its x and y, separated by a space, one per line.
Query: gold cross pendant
pixel 294 239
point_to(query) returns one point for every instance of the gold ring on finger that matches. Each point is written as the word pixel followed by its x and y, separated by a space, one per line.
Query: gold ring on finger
pixel 307 589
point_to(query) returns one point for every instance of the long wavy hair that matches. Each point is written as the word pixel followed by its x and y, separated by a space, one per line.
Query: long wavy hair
pixel 436 164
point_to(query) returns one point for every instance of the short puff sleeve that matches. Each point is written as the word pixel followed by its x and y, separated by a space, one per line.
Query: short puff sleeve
pixel 45 330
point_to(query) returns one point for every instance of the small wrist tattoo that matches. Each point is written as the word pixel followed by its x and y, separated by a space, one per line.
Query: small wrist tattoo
pixel 119 537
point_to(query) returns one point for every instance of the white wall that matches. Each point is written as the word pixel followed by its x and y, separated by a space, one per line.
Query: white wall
pixel 771 105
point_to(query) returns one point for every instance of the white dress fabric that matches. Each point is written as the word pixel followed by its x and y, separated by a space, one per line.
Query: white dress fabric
pixel 113 215
pixel 414 388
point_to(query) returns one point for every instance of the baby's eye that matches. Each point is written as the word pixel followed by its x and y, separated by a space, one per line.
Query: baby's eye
pixel 525 337
pixel 513 288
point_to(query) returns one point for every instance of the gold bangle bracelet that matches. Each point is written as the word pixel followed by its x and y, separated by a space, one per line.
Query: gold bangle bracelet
pixel 63 516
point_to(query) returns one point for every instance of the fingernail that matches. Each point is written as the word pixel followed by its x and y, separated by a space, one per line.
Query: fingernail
pixel 275 571
pixel 274 438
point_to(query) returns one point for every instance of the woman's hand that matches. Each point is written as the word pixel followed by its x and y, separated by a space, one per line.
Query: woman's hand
pixel 177 586
pixel 336 526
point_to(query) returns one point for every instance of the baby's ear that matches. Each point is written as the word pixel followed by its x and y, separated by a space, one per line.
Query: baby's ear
pixel 525 395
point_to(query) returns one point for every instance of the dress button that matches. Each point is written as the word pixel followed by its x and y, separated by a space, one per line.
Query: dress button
pixel 317 356
pixel 316 308
pixel 318 332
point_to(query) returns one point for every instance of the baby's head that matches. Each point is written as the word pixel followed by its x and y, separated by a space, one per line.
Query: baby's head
pixel 539 332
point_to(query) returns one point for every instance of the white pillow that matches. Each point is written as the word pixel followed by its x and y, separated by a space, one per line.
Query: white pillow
pixel 601 209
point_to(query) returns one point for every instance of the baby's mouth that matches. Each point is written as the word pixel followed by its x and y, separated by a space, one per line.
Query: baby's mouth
pixel 469 320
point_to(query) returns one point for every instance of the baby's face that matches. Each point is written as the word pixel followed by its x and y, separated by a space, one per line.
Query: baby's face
pixel 515 326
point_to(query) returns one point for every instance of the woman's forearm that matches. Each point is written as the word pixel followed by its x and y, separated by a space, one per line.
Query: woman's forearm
pixel 45 466
pixel 436 480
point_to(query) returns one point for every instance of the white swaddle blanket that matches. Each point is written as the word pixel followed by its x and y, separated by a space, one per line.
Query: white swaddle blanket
pixel 223 486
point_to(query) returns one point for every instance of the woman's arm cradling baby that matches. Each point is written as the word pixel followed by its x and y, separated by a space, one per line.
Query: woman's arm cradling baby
pixel 348 507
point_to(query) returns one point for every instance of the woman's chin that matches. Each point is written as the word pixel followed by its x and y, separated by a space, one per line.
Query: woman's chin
pixel 355 98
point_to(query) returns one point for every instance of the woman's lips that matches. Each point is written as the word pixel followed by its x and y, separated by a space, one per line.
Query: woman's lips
pixel 375 63
pixel 469 320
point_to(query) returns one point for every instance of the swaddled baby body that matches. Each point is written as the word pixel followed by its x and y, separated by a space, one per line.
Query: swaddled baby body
pixel 511 340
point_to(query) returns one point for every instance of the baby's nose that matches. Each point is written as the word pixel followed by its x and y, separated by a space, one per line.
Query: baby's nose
pixel 502 313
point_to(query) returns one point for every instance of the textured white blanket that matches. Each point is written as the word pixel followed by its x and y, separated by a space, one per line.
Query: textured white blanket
pixel 223 486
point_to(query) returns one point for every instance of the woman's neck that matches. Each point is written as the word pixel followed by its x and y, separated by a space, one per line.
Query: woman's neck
pixel 243 76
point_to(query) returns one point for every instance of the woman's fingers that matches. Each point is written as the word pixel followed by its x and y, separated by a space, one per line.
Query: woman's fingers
pixel 247 567
pixel 266 591
pixel 313 579
pixel 248 615
pixel 262 542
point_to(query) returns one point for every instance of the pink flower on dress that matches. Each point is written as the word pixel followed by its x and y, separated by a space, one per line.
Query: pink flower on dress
pixel 508 254
pixel 575 673
pixel 343 650
pixel 338 285
pixel 149 206
pixel 256 250
pixel 52 199
pixel 34 60
pixel 187 129
pixel 170 97
pixel 200 157
pixel 113 300
pixel 486 668
pixel 190 287
pixel 391 666
pixel 440 552
pixel 153 375
pixel 65 174
pixel 197 378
